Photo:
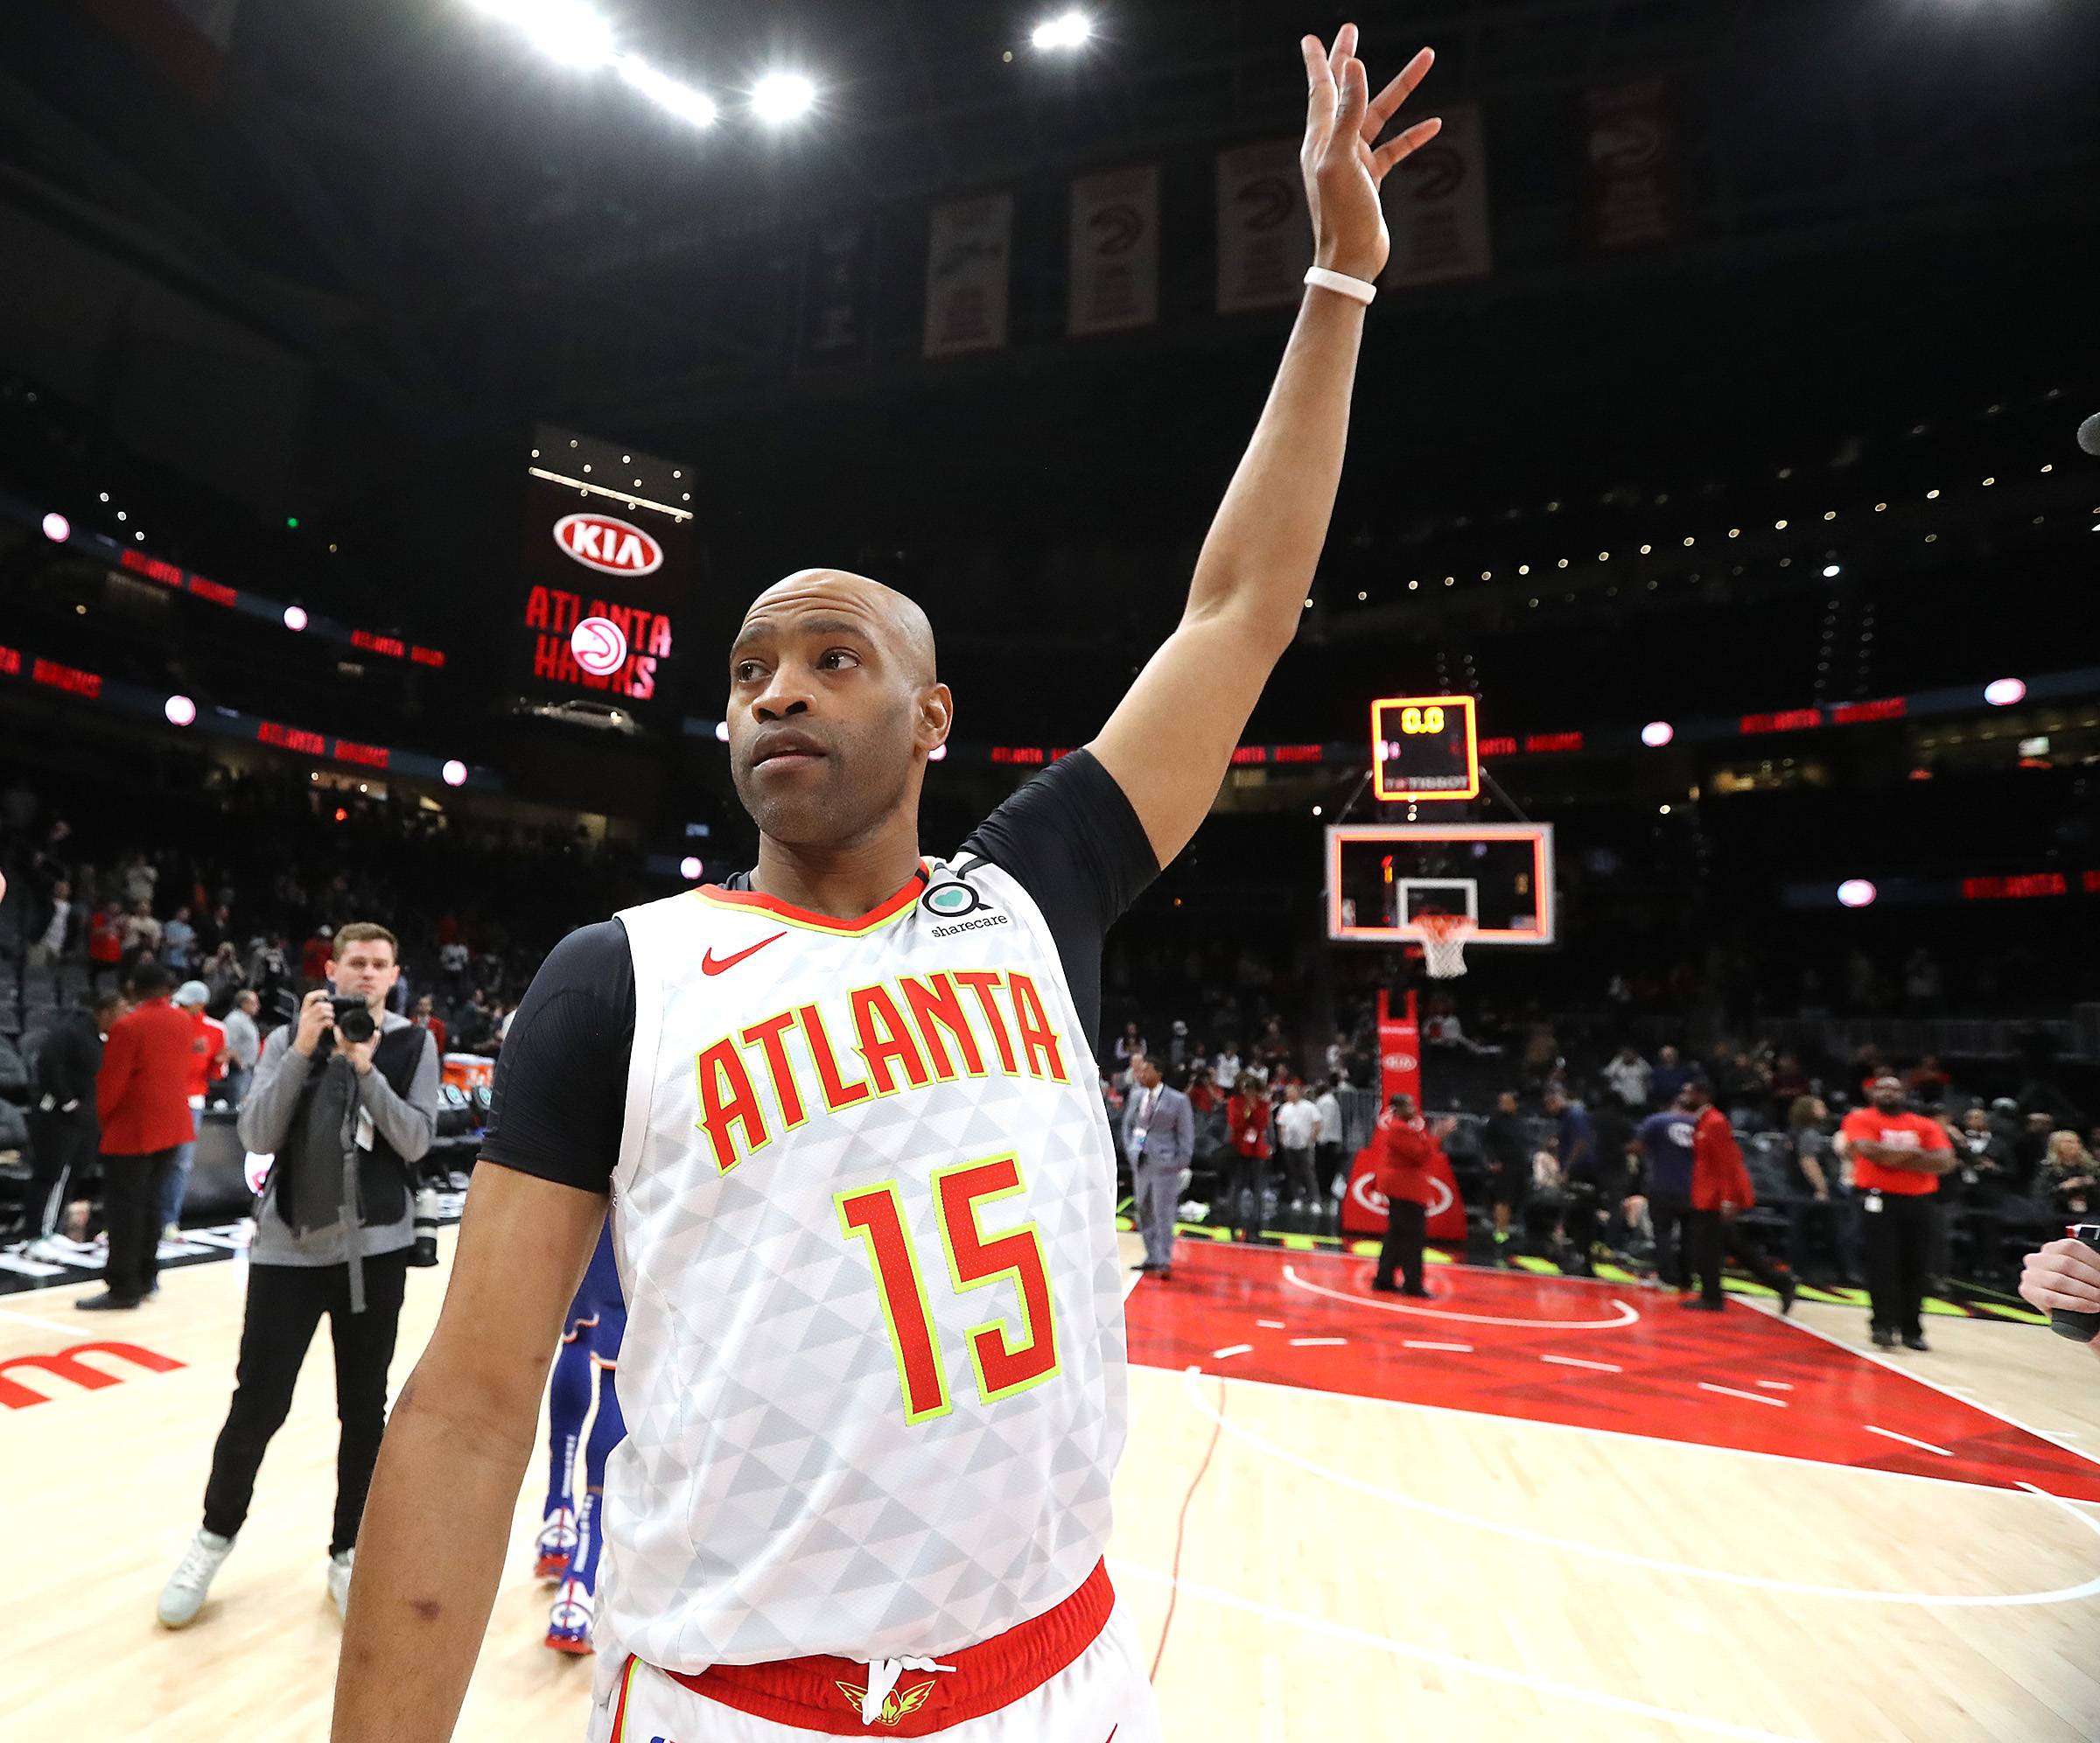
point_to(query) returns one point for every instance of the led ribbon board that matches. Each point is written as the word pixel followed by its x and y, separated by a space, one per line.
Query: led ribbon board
pixel 1426 747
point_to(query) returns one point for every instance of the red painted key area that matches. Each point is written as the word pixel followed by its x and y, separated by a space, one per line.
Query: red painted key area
pixel 1787 1392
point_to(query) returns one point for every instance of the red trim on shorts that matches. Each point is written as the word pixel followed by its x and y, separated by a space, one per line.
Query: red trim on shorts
pixel 805 1692
pixel 619 1712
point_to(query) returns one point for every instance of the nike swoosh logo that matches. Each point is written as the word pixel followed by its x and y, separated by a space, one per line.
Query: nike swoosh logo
pixel 709 964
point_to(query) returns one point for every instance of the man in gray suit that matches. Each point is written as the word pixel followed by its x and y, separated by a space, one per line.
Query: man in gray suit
pixel 1159 1138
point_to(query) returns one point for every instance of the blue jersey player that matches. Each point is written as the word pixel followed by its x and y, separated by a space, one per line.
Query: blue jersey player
pixel 583 1409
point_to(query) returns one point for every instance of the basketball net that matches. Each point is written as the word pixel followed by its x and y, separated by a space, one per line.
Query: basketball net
pixel 1444 943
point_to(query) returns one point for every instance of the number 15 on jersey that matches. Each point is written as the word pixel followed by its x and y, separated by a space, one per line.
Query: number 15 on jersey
pixel 1004 1365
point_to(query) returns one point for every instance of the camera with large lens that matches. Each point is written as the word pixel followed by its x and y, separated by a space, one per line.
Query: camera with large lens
pixel 353 1019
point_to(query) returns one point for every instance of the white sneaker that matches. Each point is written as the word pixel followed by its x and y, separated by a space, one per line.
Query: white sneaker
pixel 172 1232
pixel 339 1581
pixel 183 1596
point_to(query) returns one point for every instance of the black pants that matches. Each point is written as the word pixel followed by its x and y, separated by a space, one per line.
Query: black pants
pixel 284 1307
pixel 61 1145
pixel 1298 1180
pixel 1328 1163
pixel 1672 1218
pixel 1899 1240
pixel 131 1191
pixel 1712 1237
pixel 1250 1183
pixel 1406 1227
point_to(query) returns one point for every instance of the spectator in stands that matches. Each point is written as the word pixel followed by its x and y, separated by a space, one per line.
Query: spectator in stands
pixel 1225 1067
pixel 63 1124
pixel 1177 1046
pixel 1297 1130
pixel 1615 1171
pixel 1928 1083
pixel 142 1102
pixel 1160 1138
pixel 1790 1084
pixel 244 1045
pixel 268 968
pixel 1247 1119
pixel 1628 1076
pixel 1668 1077
pixel 426 1017
pixel 1720 1192
pixel 142 936
pixel 222 974
pixel 1406 1151
pixel 1828 1207
pixel 1128 1045
pixel 470 1024
pixel 1897 1158
pixel 138 879
pixel 106 946
pixel 452 958
pixel 49 950
pixel 1506 1151
pixel 315 956
pixel 1327 1158
pixel 1984 1167
pixel 2068 1176
pixel 177 943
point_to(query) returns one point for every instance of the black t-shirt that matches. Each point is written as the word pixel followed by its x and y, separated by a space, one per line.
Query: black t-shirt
pixel 1069 836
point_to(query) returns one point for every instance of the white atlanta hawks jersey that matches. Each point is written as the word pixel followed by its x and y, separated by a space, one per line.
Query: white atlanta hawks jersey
pixel 864 1213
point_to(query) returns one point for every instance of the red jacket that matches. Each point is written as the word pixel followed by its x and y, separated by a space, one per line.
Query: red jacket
pixel 143 1093
pixel 1718 1174
pixel 207 1036
pixel 1405 1154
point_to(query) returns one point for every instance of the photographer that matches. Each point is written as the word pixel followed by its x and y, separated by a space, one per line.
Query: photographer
pixel 346 1100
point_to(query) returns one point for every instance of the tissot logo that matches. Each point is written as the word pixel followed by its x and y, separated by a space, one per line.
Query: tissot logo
pixel 611 547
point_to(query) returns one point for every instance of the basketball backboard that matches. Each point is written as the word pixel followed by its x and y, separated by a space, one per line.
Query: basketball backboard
pixel 1383 877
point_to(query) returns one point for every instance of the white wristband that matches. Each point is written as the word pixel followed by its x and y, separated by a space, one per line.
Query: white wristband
pixel 1359 289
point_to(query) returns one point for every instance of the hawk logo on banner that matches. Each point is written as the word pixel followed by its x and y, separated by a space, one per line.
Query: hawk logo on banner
pixel 1365 1210
pixel 1635 196
pixel 1436 206
pixel 1264 233
pixel 969 249
pixel 611 547
pixel 1115 251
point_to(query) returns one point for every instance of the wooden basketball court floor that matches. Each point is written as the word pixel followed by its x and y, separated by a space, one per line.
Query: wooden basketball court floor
pixel 1529 1508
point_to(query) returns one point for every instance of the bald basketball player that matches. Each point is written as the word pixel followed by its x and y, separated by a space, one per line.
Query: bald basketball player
pixel 862 1187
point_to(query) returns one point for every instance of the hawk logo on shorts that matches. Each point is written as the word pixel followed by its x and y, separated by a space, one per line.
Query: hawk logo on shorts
pixel 896 1707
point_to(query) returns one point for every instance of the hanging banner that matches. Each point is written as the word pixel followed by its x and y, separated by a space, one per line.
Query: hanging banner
pixel 1115 251
pixel 836 325
pixel 1264 232
pixel 1634 196
pixel 967 261
pixel 1436 206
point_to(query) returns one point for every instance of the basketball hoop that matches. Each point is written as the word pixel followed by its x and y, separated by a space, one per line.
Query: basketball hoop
pixel 1444 943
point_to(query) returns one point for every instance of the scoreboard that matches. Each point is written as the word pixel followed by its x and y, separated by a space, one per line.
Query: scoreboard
pixel 1426 747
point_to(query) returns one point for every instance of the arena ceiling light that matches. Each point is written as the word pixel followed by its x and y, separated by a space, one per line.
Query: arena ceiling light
pixel 57 528
pixel 565 30
pixel 782 97
pixel 1657 733
pixel 295 617
pixel 1856 892
pixel 1071 30
pixel 2003 692
pixel 681 100
pixel 454 773
pixel 689 869
pixel 180 711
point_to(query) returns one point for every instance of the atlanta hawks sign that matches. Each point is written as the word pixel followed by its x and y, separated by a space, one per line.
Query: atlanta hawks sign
pixel 609 546
pixel 601 587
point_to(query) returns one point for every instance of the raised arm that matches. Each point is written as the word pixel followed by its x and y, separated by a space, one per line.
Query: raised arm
pixel 1170 742
pixel 431 1552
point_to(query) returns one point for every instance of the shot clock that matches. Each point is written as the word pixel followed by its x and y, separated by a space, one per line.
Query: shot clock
pixel 1426 747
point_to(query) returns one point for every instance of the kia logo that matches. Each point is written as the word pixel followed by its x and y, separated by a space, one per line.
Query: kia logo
pixel 601 646
pixel 1399 1061
pixel 611 547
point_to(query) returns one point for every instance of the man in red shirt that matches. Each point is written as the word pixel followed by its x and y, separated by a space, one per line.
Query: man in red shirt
pixel 1407 1151
pixel 426 1017
pixel 1247 1119
pixel 142 1095
pixel 1897 1158
pixel 208 1066
pixel 1720 1192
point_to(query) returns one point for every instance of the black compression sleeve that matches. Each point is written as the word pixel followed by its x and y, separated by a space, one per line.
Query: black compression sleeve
pixel 561 1090
pixel 1075 843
